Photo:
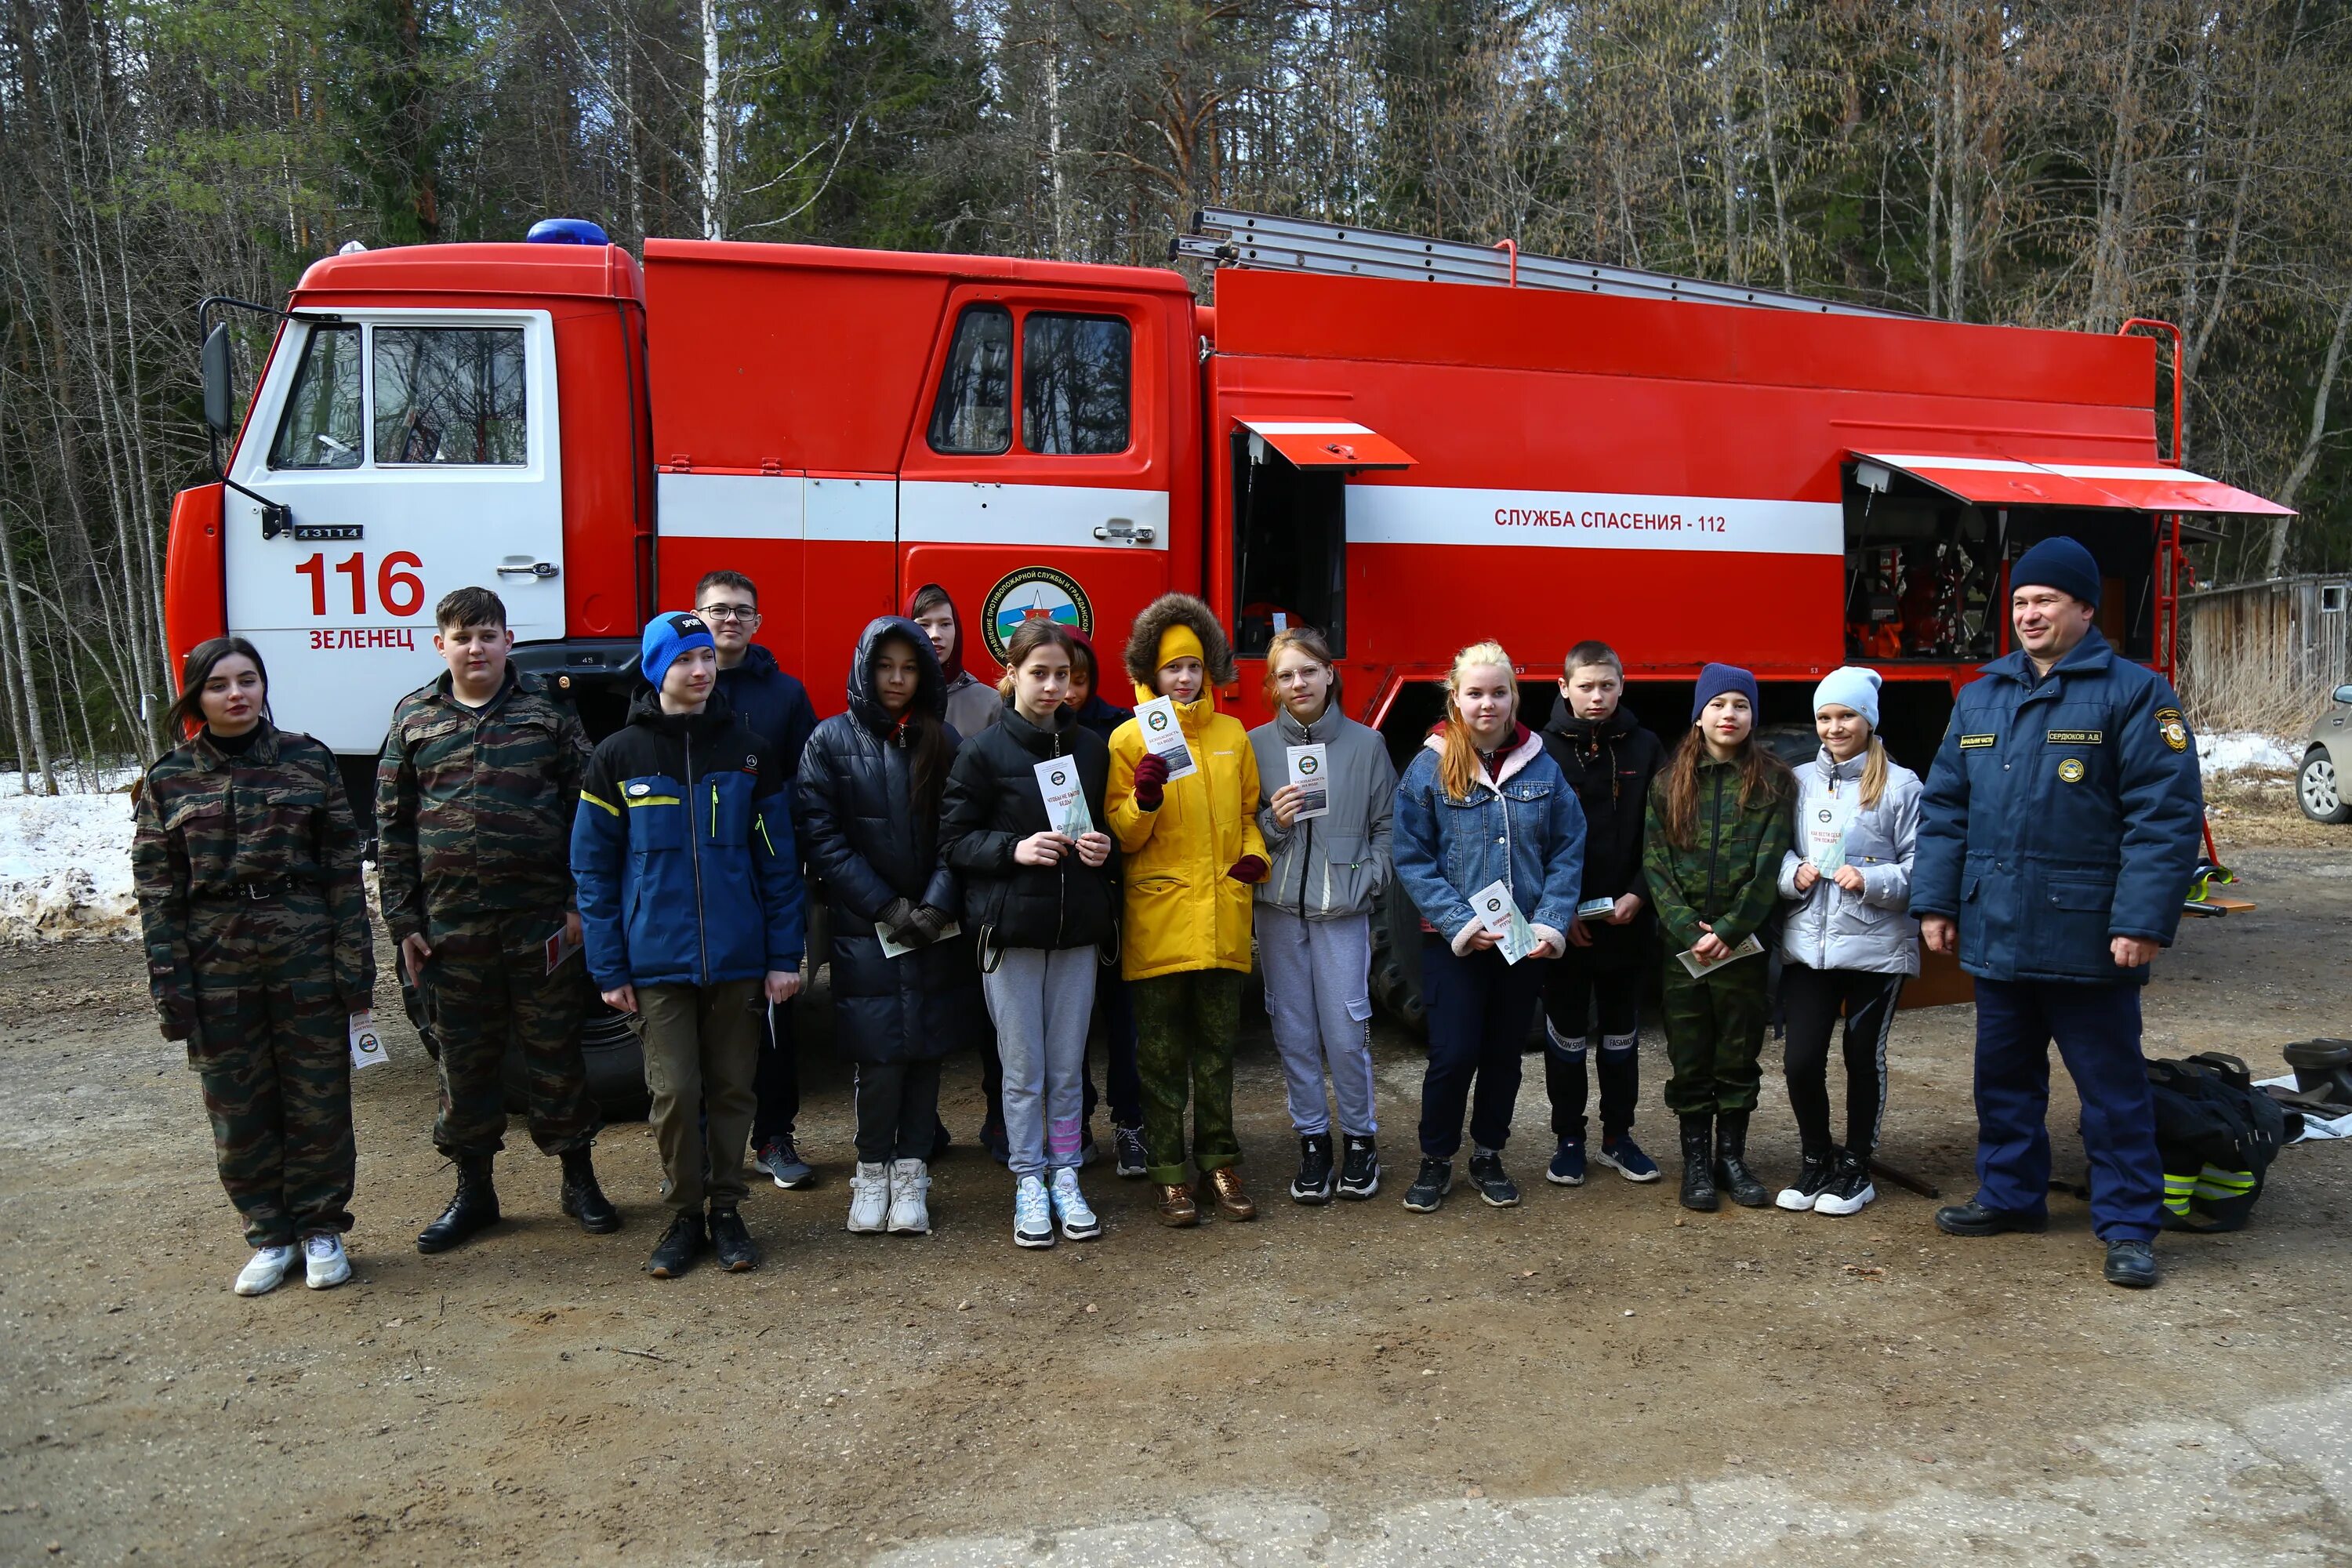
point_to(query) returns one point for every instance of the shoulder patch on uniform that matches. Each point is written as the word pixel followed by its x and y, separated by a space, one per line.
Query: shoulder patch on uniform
pixel 2076 738
pixel 2171 725
pixel 1974 742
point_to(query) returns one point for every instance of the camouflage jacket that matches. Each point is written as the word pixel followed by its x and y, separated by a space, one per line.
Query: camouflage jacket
pixel 209 823
pixel 1729 875
pixel 474 806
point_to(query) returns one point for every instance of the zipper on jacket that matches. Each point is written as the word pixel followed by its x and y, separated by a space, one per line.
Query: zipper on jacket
pixel 1306 860
pixel 702 930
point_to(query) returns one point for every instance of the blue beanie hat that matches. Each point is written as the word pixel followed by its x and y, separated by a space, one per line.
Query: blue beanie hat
pixel 1850 686
pixel 667 636
pixel 2058 563
pixel 1717 678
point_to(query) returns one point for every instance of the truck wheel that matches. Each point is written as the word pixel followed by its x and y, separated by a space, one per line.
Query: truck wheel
pixel 615 1063
pixel 2318 791
pixel 1396 959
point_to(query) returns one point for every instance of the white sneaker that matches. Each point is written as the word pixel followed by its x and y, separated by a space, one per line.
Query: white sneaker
pixel 1079 1222
pixel 1033 1215
pixel 264 1271
pixel 910 1213
pixel 869 1198
pixel 325 1265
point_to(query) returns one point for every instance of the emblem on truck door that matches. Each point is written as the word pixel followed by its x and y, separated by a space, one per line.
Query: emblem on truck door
pixel 1031 594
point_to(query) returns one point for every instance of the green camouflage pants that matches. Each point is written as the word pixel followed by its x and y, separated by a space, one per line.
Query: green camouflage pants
pixel 1715 1033
pixel 1185 1025
pixel 488 988
pixel 272 1050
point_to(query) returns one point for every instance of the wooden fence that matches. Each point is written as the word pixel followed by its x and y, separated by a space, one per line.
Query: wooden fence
pixel 2265 656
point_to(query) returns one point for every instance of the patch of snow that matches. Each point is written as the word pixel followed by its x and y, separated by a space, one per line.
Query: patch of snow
pixel 65 866
pixel 2243 752
pixel 68 780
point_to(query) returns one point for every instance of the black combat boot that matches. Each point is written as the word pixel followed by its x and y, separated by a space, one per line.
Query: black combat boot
pixel 474 1208
pixel 1731 1172
pixel 582 1199
pixel 1698 1157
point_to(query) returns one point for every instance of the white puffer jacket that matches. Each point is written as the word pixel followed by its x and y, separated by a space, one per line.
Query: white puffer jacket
pixel 1829 928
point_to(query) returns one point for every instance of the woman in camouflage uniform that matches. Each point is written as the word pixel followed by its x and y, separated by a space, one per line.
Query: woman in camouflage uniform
pixel 248 865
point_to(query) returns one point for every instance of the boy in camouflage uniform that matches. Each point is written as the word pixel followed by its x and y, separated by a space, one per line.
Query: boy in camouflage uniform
pixel 246 862
pixel 474 796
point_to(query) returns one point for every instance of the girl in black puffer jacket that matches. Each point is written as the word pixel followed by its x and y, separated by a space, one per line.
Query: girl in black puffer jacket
pixel 871 784
pixel 1039 898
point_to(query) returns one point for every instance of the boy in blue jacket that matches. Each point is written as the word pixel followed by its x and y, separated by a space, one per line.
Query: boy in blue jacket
pixel 691 901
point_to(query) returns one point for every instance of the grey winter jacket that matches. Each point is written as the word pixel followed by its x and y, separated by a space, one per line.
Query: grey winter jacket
pixel 1325 867
pixel 972 705
pixel 1829 928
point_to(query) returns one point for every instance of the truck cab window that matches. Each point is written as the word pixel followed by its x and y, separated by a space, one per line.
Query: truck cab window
pixel 320 427
pixel 973 412
pixel 450 395
pixel 1075 373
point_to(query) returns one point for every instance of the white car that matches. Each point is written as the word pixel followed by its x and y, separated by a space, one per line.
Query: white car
pixel 2319 782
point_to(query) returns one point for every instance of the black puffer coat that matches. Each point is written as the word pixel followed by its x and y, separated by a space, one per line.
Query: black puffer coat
pixel 992 804
pixel 1610 763
pixel 867 846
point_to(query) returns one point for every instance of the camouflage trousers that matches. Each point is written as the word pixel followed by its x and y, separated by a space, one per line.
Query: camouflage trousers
pixel 1714 1035
pixel 487 988
pixel 272 1051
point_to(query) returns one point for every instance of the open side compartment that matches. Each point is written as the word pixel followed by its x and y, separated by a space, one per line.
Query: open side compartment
pixel 1290 547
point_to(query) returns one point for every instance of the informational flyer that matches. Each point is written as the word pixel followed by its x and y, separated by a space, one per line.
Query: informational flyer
pixel 893 948
pixel 1163 735
pixel 559 950
pixel 1826 825
pixel 1698 967
pixel 1596 909
pixel 367 1046
pixel 1310 769
pixel 1499 913
pixel 1066 798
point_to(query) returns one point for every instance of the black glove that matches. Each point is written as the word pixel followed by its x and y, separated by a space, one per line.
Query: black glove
pixel 926 925
pixel 894 918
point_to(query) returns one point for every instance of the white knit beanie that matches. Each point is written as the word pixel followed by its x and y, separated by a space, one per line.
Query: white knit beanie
pixel 1850 686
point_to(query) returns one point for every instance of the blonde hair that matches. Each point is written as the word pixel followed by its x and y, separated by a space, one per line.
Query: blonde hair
pixel 1874 773
pixel 1457 764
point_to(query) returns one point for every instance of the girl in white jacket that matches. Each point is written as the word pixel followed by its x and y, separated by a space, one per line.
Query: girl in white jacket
pixel 1850 941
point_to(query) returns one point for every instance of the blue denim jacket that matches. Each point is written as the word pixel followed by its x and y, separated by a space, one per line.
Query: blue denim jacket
pixel 1527 830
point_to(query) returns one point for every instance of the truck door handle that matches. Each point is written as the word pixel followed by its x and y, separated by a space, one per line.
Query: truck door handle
pixel 531 569
pixel 1126 530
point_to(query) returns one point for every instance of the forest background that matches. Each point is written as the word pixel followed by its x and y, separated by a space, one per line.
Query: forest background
pixel 2055 163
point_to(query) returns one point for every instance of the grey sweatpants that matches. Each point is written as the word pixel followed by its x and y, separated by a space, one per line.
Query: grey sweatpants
pixel 1319 993
pixel 1042 1000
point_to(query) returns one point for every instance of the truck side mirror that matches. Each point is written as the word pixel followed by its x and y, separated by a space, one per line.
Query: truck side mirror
pixel 220 381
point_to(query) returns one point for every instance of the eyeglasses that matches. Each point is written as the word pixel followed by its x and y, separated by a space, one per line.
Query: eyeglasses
pixel 728 612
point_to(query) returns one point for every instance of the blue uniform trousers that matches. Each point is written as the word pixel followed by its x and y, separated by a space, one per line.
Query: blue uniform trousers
pixel 2097 1030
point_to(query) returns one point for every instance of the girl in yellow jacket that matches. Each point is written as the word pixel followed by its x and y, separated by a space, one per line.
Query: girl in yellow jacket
pixel 1191 850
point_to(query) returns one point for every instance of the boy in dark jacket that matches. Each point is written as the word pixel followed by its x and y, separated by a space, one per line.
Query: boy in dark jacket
pixel 1610 761
pixel 776 706
pixel 691 901
pixel 475 797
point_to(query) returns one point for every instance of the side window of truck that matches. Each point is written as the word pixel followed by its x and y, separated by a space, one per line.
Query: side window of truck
pixel 973 412
pixel 320 427
pixel 450 395
pixel 1075 376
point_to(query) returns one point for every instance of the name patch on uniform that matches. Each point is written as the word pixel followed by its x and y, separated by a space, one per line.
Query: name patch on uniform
pixel 1973 742
pixel 2076 738
pixel 2071 770
pixel 2169 725
pixel 641 789
pixel 434 732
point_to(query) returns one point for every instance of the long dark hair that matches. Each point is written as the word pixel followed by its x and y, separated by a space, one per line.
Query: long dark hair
pixel 929 755
pixel 1762 776
pixel 186 716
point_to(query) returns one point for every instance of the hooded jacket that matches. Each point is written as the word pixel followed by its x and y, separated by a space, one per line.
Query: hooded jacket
pixel 973 704
pixel 1183 912
pixel 775 703
pixel 1608 762
pixel 1829 928
pixel 683 854
pixel 868 845
pixel 1328 867
pixel 1096 712
pixel 992 804
pixel 1728 875
pixel 1520 824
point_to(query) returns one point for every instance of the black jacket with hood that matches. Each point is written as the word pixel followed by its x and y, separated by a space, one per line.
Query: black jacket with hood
pixel 992 804
pixel 868 845
pixel 1610 763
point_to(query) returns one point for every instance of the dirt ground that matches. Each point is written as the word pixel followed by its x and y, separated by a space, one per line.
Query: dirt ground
pixel 533 1397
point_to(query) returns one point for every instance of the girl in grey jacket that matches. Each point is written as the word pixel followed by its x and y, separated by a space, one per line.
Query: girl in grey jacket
pixel 1326 827
pixel 1850 940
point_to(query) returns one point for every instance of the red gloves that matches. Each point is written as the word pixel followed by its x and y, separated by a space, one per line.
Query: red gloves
pixel 1249 868
pixel 1150 780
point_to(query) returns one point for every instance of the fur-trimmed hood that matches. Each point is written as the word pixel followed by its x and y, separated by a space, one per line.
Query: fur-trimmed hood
pixel 1174 609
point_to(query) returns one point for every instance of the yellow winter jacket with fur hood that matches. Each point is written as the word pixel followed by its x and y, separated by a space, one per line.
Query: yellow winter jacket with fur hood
pixel 1184 911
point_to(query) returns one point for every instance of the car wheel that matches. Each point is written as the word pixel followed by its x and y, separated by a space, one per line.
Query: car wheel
pixel 2317 790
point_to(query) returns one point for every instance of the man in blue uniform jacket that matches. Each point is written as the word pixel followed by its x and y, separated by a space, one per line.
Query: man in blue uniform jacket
pixel 2058 836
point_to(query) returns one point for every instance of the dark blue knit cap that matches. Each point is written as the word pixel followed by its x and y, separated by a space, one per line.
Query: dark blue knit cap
pixel 1717 678
pixel 2058 563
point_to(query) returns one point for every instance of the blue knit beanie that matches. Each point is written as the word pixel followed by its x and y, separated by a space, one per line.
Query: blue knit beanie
pixel 668 635
pixel 1851 686
pixel 2058 563
pixel 1717 678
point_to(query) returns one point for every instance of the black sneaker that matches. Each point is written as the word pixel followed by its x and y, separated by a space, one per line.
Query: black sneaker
pixel 1817 1172
pixel 2131 1264
pixel 1849 1191
pixel 733 1243
pixel 1495 1189
pixel 1428 1188
pixel 680 1245
pixel 1134 1158
pixel 1360 1170
pixel 1312 1185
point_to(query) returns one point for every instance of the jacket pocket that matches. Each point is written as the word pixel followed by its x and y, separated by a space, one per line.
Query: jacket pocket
pixel 2073 925
pixel 727 807
pixel 656 814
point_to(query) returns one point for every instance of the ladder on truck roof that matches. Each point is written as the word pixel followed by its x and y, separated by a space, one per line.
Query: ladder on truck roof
pixel 1228 236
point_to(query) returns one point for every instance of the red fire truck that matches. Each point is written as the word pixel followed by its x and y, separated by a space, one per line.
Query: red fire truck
pixel 1410 444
